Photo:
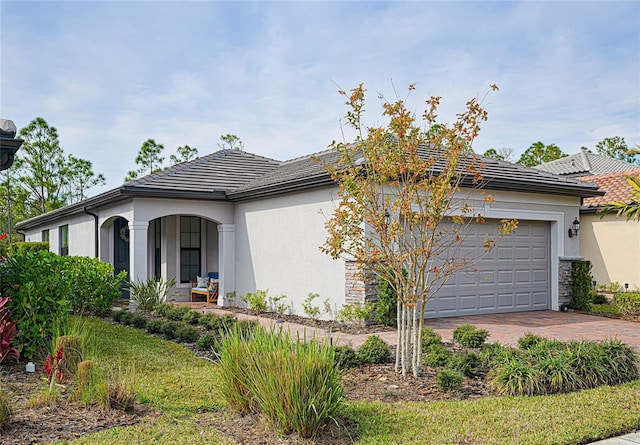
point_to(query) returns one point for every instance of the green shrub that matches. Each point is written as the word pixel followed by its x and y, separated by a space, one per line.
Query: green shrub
pixel 138 321
pixel 468 336
pixel 605 309
pixel 187 333
pixel 214 322
pixel 467 362
pixel 580 283
pixel 345 357
pixel 611 288
pixel 494 354
pixel 162 309
pixel 449 380
pixel 597 298
pixel 192 317
pixel 374 350
pixel 436 355
pixel 246 327
pixel 277 304
pixel 558 373
pixel 177 313
pixel 123 316
pixel 93 286
pixel 256 301
pixel 294 385
pixel 628 303
pixel 355 313
pixel 529 340
pixel 169 329
pixel 150 293
pixel 551 367
pixel 387 305
pixel 208 342
pixel 28 247
pixel 430 337
pixel 39 301
pixel 312 311
pixel 154 326
pixel 620 361
pixel 517 377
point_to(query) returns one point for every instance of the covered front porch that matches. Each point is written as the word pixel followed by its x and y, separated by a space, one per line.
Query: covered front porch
pixel 194 240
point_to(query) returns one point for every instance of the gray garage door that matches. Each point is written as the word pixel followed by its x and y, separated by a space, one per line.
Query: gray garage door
pixel 514 276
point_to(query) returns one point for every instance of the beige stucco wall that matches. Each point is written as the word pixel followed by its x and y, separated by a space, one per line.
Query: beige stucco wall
pixel 277 248
pixel 613 247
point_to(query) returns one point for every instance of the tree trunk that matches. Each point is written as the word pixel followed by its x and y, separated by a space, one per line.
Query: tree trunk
pixel 399 339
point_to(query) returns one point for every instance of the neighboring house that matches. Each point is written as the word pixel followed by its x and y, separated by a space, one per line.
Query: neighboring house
pixel 259 223
pixel 586 164
pixel 611 244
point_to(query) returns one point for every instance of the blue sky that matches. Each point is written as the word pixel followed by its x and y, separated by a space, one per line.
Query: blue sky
pixel 109 75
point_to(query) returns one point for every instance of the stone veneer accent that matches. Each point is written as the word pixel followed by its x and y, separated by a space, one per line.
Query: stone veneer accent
pixel 356 289
pixel 564 279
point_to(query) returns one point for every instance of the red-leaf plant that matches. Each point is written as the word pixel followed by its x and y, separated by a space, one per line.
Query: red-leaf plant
pixel 8 332
pixel 53 367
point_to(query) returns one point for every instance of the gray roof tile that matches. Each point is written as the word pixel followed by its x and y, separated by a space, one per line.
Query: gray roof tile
pixel 585 164
pixel 307 172
pixel 220 171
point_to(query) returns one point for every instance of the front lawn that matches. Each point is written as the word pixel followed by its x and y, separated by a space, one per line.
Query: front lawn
pixel 173 379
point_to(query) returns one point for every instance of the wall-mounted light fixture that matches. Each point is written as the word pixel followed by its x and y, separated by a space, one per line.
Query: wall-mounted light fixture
pixel 575 228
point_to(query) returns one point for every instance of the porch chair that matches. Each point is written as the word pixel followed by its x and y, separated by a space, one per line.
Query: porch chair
pixel 207 286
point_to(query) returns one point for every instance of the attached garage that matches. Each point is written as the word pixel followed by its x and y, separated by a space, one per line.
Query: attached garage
pixel 513 277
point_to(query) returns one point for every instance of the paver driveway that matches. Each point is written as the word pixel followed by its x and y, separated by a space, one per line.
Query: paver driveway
pixel 503 328
pixel 508 328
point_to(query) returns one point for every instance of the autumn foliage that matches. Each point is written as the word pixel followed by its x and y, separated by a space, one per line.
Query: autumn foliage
pixel 410 192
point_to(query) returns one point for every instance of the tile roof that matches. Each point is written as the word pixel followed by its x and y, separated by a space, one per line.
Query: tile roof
pixel 221 171
pixel 614 184
pixel 307 171
pixel 236 175
pixel 586 163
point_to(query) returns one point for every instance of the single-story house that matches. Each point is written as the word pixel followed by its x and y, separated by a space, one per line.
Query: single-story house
pixel 611 243
pixel 259 223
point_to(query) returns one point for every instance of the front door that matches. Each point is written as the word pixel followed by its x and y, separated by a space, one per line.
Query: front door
pixel 121 250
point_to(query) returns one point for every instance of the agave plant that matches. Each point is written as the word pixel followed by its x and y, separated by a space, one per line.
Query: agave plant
pixel 150 293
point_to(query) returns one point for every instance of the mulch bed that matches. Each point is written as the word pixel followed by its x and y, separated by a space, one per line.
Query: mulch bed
pixel 61 420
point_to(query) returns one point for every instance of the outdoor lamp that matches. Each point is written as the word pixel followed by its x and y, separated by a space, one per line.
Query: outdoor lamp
pixel 9 145
pixel 575 228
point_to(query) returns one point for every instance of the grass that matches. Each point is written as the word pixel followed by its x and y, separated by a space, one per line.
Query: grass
pixel 172 378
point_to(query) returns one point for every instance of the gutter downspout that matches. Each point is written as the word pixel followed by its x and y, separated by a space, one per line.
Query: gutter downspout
pixel 95 218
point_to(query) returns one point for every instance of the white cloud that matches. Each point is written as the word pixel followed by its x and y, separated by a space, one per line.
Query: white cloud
pixel 109 75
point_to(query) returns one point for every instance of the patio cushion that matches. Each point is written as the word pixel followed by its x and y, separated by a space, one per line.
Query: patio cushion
pixel 202 281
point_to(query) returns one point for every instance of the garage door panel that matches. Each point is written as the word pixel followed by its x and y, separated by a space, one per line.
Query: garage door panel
pixel 505 301
pixel 505 253
pixel 523 277
pixel 486 302
pixel 539 253
pixel 540 276
pixel 514 277
pixel 468 302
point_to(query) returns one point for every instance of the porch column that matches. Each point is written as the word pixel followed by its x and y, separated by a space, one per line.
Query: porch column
pixel 226 260
pixel 139 268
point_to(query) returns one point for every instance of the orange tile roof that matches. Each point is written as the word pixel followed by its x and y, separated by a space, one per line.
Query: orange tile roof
pixel 614 184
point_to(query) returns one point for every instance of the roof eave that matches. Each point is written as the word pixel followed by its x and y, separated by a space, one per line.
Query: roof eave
pixel 110 197
pixel 140 192
pixel 283 187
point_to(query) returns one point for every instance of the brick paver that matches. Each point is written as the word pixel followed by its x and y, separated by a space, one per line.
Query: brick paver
pixel 503 328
